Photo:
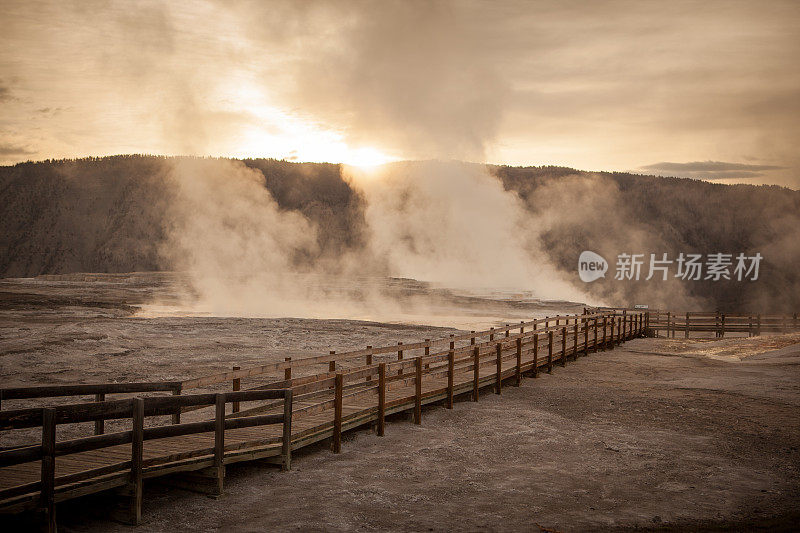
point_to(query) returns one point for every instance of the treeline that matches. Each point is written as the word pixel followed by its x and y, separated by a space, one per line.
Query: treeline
pixel 109 214
pixel 614 213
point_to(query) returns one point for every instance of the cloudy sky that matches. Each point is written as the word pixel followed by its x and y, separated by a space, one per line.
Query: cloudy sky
pixel 707 89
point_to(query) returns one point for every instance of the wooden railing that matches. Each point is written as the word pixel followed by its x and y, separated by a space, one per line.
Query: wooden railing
pixel 99 390
pixel 670 323
pixel 332 361
pixel 366 356
pixel 373 383
pixel 130 472
pixel 552 340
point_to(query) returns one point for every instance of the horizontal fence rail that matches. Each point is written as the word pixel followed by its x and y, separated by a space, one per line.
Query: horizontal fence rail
pixel 671 323
pixel 130 471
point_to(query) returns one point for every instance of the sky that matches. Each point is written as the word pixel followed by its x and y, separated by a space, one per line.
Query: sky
pixel 707 89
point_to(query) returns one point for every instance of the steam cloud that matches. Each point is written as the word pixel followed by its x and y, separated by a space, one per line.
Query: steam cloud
pixel 449 223
pixel 454 224
pixel 436 95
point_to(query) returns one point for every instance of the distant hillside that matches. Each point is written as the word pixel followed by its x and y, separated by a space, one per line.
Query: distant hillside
pixel 108 215
pixel 613 213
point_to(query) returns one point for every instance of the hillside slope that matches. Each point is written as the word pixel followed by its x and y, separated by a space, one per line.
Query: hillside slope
pixel 111 214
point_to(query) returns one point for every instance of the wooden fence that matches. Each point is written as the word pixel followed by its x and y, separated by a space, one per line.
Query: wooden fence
pixel 670 323
pixel 44 493
pixel 376 383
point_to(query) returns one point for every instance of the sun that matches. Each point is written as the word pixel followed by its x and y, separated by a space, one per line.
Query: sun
pixel 284 136
pixel 365 157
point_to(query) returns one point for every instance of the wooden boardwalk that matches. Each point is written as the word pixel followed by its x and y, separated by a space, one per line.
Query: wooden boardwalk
pixel 279 417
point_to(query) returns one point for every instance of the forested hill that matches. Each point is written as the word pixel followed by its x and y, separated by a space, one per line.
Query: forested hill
pixel 613 213
pixel 110 215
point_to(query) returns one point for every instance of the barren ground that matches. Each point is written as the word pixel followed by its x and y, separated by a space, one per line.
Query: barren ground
pixel 658 434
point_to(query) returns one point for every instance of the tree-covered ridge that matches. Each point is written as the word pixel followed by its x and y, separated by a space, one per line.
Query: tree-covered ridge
pixel 112 214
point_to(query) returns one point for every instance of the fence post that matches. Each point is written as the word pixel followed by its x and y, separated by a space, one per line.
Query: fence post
pixel 450 377
pixel 176 418
pixel 498 386
pixel 475 372
pixel 48 468
pixel 381 398
pixel 575 340
pixel 758 325
pixel 491 334
pixel 332 362
pixel 418 391
pixel 286 446
pixel 427 351
pixel 219 442
pixel 99 425
pixel 137 447
pixel 549 352
pixel 400 357
pixel 472 339
pixel 287 372
pixel 594 341
pixel 605 330
pixel 563 346
pixel 508 332
pixel 722 333
pixel 237 385
pixel 369 361
pixel 669 325
pixel 750 325
pixel 586 338
pixel 337 414
pixel 611 333
pixel 452 342
pixel 518 374
pixel 687 325
pixel 522 327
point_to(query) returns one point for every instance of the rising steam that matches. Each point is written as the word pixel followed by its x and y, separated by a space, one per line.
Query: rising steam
pixel 448 223
pixel 454 224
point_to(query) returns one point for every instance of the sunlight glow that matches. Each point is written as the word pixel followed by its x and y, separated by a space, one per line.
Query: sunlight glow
pixel 365 158
pixel 273 132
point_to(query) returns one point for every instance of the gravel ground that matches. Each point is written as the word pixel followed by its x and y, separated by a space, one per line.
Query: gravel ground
pixel 656 435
